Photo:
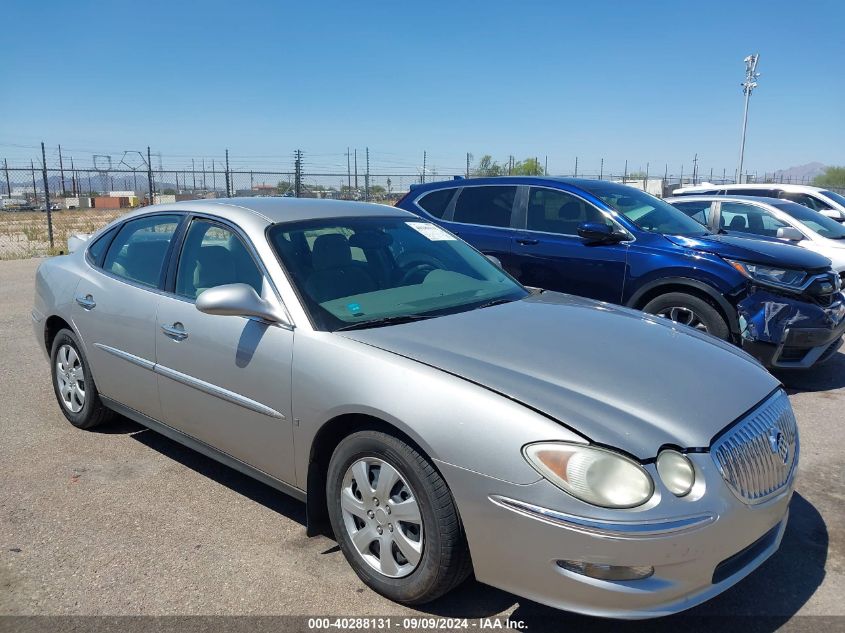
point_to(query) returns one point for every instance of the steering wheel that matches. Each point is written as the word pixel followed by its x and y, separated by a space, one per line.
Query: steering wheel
pixel 417 269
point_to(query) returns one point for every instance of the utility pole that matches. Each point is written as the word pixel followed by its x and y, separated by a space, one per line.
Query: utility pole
pixel 47 194
pixel 203 176
pixel 681 181
pixel 576 167
pixel 348 175
pixel 422 178
pixel 601 170
pixel 645 182
pixel 625 173
pixel 748 86
pixel 468 156
pixel 32 171
pixel 356 170
pixel 367 177
pixel 214 176
pixel 62 170
pixel 150 175
pixel 546 166
pixel 8 186
pixel 194 174
pixel 695 170
pixel 297 173
pixel 228 186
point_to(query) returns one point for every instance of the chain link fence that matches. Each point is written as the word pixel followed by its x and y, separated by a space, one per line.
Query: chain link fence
pixel 45 203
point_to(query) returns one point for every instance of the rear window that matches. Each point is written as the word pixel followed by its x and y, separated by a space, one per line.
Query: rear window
pixel 436 202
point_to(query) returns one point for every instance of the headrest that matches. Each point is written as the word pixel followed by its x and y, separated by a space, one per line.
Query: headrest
pixel 331 251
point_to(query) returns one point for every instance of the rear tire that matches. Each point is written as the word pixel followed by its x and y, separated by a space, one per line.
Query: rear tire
pixel 690 310
pixel 73 384
pixel 374 540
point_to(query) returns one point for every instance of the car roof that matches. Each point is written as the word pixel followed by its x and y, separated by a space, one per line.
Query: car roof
pixel 718 198
pixel 582 183
pixel 751 185
pixel 279 209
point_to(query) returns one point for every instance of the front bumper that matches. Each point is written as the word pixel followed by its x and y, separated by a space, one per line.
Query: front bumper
pixel 698 546
pixel 788 333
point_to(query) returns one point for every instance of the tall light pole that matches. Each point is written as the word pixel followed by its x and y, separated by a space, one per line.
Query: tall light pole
pixel 748 86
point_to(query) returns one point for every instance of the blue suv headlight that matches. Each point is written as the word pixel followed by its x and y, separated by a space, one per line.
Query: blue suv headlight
pixel 787 278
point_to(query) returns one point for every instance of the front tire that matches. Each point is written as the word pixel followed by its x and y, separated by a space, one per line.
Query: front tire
pixel 394 518
pixel 73 384
pixel 690 310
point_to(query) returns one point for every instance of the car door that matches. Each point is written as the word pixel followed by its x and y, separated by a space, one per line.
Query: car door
pixel 482 215
pixel 224 380
pixel 115 310
pixel 548 253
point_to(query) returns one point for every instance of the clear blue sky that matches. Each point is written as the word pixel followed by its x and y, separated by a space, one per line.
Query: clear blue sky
pixel 644 81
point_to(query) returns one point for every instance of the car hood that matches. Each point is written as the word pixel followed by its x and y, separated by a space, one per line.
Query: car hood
pixel 753 250
pixel 616 376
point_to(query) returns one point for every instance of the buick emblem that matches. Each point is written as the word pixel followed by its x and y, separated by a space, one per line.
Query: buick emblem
pixel 778 445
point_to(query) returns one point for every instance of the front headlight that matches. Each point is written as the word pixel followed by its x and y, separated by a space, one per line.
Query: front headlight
pixel 595 475
pixel 773 276
pixel 676 471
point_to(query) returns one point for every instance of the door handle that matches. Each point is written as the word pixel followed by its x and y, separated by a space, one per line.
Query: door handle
pixel 176 331
pixel 87 302
pixel 527 241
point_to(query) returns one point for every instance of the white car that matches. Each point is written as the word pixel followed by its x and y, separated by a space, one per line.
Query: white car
pixel 826 202
pixel 769 218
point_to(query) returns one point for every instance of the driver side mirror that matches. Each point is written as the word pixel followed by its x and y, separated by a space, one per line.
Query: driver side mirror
pixel 494 260
pixel 599 233
pixel 239 300
pixel 790 233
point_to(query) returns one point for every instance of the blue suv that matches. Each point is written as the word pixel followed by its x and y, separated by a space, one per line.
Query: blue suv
pixel 618 244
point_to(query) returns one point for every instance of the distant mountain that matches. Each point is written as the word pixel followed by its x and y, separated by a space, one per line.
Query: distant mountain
pixel 801 173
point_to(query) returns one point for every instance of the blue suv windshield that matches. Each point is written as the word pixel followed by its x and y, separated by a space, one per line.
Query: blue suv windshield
pixel 644 210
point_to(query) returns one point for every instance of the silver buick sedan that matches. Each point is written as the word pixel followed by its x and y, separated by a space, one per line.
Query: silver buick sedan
pixel 439 418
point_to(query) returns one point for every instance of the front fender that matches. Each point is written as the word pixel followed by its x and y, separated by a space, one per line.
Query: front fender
pixel 450 418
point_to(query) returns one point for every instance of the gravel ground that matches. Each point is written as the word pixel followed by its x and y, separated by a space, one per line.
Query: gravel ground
pixel 127 522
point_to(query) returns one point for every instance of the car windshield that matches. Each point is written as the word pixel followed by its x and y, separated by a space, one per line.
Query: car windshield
pixel 821 224
pixel 370 271
pixel 838 198
pixel 644 210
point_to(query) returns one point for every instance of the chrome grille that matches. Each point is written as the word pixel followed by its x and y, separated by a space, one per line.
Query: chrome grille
pixel 758 456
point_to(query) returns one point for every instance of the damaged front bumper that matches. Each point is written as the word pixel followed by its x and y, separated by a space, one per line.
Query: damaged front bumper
pixel 786 332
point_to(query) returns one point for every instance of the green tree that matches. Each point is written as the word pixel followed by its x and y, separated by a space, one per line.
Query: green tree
pixel 832 177
pixel 488 167
pixel 527 167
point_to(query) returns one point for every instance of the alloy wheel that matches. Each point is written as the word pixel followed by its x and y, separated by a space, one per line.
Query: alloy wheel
pixel 70 379
pixel 684 316
pixel 382 517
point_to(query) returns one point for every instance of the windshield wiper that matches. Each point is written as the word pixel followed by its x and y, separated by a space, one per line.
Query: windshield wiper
pixel 391 320
pixel 494 302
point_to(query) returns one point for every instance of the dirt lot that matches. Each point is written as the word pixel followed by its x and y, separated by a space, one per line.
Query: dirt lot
pixel 24 234
pixel 126 522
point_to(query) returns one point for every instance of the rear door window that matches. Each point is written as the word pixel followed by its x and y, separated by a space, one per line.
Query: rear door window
pixel 488 206
pixel 139 250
